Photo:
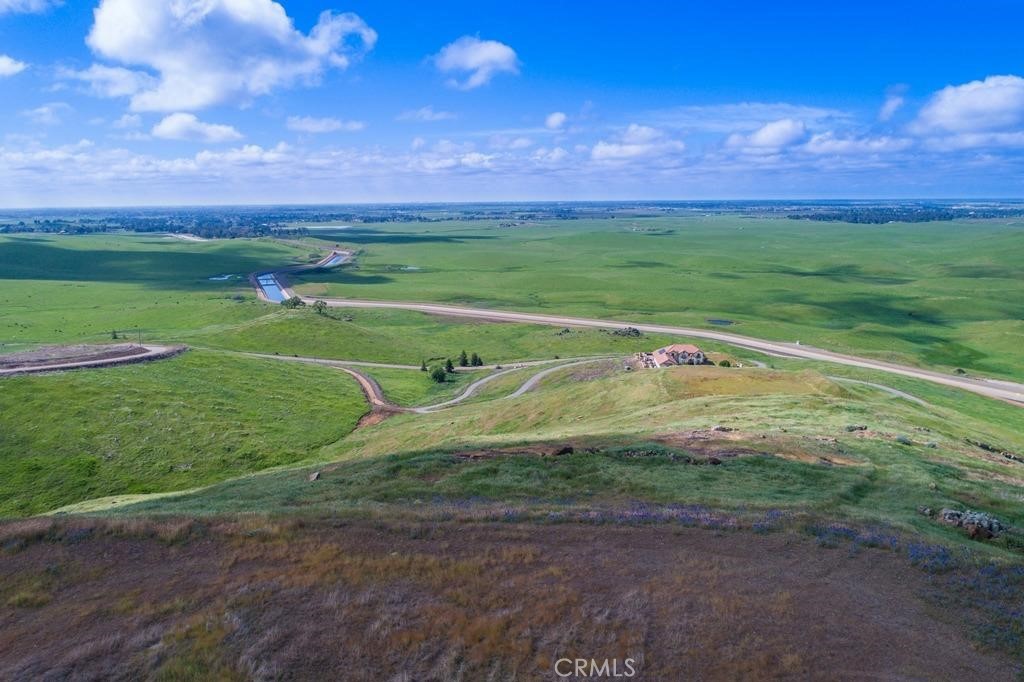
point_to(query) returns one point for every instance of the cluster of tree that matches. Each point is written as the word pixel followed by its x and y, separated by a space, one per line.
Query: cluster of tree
pixel 470 360
pixel 439 373
pixel 296 302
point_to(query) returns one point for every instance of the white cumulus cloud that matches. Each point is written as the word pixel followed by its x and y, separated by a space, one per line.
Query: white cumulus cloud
pixel 182 126
pixel 111 81
pixel 892 104
pixel 426 113
pixel 993 104
pixel 10 66
pixel 555 120
pixel 128 121
pixel 636 142
pixel 47 114
pixel 308 124
pixel 830 143
pixel 26 6
pixel 204 52
pixel 771 136
pixel 478 61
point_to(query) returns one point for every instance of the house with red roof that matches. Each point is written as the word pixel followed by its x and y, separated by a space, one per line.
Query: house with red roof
pixel 678 354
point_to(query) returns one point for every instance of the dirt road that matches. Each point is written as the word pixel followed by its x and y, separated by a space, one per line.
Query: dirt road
pixel 151 352
pixel 1001 390
pixel 379 402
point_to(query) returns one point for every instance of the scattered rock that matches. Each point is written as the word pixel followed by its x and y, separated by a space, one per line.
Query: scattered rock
pixel 315 476
pixel 904 440
pixel 856 427
pixel 932 486
pixel 714 461
pixel 987 447
pixel 721 429
pixel 828 440
pixel 976 532
pixel 978 525
pixel 931 444
pixel 925 511
pixel 628 331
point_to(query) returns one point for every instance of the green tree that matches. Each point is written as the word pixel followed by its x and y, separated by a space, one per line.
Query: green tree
pixel 320 307
pixel 463 359
pixel 476 361
pixel 448 366
pixel 439 375
pixel 725 363
pixel 293 302
pixel 113 335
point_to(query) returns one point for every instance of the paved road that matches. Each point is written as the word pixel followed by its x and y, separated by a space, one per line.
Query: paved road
pixel 1001 390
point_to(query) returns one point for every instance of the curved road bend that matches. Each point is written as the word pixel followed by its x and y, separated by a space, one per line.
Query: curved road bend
pixel 1001 390
pixel 375 395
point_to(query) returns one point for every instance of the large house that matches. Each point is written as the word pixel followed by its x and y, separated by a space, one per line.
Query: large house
pixel 678 354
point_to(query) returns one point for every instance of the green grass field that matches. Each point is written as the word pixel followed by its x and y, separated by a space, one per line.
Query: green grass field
pixel 938 294
pixel 792 423
pixel 160 426
pixel 64 289
pixel 412 388
pixel 408 338
pixel 214 416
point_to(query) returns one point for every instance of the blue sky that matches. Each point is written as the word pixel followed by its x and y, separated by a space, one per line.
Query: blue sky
pixel 130 102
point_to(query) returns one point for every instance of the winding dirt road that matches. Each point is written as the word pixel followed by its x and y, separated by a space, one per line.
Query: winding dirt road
pixel 1007 391
pixel 1001 390
pixel 379 402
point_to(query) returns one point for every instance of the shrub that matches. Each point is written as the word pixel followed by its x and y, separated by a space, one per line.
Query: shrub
pixel 725 363
pixel 439 374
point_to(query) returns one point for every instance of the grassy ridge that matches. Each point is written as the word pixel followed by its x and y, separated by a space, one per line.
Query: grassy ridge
pixel 166 425
pixel 796 421
pixel 946 294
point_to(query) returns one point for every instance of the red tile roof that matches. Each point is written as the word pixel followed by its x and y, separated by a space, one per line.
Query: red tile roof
pixel 682 348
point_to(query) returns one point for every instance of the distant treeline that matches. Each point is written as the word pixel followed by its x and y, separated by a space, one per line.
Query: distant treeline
pixel 259 221
pixel 902 214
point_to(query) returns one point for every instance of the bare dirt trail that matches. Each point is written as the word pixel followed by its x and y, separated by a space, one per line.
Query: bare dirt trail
pixel 148 352
pixel 379 402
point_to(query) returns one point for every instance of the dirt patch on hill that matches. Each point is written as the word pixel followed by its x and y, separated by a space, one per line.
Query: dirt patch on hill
pixel 726 442
pixel 52 355
pixel 257 599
